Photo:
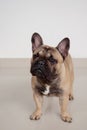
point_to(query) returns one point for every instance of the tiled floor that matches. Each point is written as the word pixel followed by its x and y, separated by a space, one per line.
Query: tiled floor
pixel 16 102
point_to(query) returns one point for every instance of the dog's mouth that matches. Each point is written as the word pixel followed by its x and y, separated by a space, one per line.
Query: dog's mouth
pixel 37 72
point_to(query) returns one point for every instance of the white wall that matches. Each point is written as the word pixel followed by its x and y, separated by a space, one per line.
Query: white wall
pixel 53 19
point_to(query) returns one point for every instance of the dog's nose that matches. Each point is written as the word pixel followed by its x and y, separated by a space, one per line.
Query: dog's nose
pixel 41 63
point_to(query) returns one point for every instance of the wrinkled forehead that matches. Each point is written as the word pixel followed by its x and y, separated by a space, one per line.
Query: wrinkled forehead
pixel 46 51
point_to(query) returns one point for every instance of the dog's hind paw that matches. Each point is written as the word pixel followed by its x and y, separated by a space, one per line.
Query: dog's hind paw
pixel 71 97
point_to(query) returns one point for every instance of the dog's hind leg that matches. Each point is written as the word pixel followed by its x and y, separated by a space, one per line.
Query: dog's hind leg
pixel 71 97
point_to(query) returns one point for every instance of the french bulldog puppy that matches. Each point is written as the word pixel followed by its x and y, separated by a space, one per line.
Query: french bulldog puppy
pixel 52 75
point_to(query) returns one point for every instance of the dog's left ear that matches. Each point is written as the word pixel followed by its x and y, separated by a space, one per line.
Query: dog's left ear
pixel 63 47
pixel 36 41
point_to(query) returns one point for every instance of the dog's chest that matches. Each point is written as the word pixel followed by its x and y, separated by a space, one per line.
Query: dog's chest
pixel 49 90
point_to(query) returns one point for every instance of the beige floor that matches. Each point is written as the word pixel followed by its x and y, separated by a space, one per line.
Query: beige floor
pixel 16 101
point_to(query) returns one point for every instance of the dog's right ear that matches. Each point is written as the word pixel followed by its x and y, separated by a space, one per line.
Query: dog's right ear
pixel 36 41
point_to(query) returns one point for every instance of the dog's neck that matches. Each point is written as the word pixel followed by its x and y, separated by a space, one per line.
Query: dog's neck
pixel 48 90
pixel 52 83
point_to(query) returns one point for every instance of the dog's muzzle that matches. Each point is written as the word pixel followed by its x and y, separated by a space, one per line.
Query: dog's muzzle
pixel 37 69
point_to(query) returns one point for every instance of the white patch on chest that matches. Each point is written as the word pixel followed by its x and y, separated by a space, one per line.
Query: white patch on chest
pixel 47 90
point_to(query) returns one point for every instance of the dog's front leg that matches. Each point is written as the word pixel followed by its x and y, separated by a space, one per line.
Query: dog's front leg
pixel 63 101
pixel 38 101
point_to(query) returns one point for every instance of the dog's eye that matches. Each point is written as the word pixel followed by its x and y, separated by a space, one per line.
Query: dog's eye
pixel 52 60
pixel 35 56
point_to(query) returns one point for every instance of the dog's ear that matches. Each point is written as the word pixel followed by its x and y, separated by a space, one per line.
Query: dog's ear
pixel 36 41
pixel 63 47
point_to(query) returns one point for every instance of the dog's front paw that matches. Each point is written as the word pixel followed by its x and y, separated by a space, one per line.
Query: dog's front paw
pixel 36 115
pixel 66 117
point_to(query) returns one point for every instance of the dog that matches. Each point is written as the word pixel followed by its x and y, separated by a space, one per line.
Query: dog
pixel 52 75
